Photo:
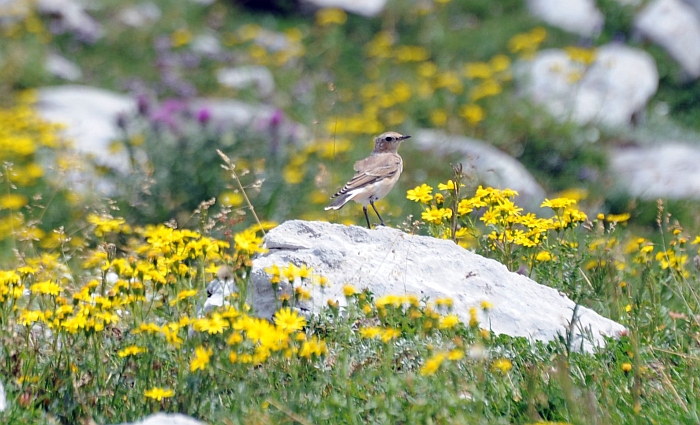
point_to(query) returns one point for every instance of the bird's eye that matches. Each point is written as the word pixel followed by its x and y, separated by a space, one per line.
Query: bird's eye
pixel 389 139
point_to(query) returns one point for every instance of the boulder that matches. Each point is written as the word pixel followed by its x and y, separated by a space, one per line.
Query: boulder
pixel 367 8
pixel 675 26
pixel 612 89
pixel 577 16
pixel 668 171
pixel 389 261
pixel 167 419
pixel 486 164
pixel 3 398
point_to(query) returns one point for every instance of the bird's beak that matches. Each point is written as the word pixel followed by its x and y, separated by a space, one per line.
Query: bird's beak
pixel 405 137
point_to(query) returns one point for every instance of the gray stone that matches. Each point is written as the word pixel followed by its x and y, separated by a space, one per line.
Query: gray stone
pixel 488 165
pixel 361 7
pixel 3 398
pixel 63 68
pixel 140 15
pixel 243 77
pixel 207 44
pixel 90 115
pixel 12 11
pixel 167 419
pixel 388 261
pixel 577 16
pixel 617 85
pixel 72 17
pixel 675 26
pixel 668 171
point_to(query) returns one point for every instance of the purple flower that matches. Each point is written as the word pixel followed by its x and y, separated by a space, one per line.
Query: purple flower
pixel 276 118
pixel 167 112
pixel 203 115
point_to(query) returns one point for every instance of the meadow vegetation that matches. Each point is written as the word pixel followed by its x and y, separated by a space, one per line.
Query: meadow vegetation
pixel 101 301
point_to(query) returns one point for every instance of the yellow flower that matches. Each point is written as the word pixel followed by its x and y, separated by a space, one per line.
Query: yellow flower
pixel 390 333
pixel 131 351
pixel 436 215
pixel 201 358
pixel 450 185
pixel 214 325
pixel 502 365
pixel 330 16
pixel 579 54
pixel 46 287
pixel 249 241
pixel 543 256
pixel 370 332
pixel 289 321
pixel 449 321
pixel 433 364
pixel 349 290
pixel 478 70
pixel 12 201
pixel 558 203
pixel 420 193
pixel 486 88
pixel 473 318
pixel 158 393
pixel 180 37
pixel 313 347
pixel 438 117
pixel 472 113
pixel 500 63
pixel 617 218
pixel 486 305
pixel 626 367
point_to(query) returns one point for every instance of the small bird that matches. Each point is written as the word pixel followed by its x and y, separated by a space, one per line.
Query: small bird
pixel 375 175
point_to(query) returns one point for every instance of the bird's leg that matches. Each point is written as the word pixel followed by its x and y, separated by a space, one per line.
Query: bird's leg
pixel 375 210
pixel 364 209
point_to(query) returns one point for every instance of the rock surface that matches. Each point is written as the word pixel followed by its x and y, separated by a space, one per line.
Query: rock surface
pixel 3 398
pixel 490 166
pixel 577 16
pixel 63 68
pixel 668 171
pixel 71 16
pixel 167 419
pixel 90 115
pixel 361 7
pixel 675 26
pixel 389 261
pixel 243 77
pixel 610 91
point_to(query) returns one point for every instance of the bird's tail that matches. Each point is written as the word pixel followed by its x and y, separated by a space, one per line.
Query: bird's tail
pixel 339 202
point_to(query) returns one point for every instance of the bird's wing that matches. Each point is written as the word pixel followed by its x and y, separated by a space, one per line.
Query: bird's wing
pixel 371 170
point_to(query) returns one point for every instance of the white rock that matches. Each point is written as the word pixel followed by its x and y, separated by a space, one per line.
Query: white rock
pixel 668 171
pixel 167 419
pixel 63 68
pixel 361 7
pixel 388 261
pixel 247 76
pixel 3 398
pixel 90 115
pixel 140 14
pixel 206 44
pixel 577 16
pixel 675 26
pixel 488 165
pixel 12 11
pixel 617 85
pixel 72 18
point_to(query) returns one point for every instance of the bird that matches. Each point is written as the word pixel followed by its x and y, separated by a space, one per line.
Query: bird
pixel 374 176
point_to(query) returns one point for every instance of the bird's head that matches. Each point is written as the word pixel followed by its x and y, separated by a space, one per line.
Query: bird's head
pixel 388 142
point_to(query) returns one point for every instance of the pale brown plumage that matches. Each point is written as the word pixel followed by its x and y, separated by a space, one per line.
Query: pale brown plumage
pixel 375 175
